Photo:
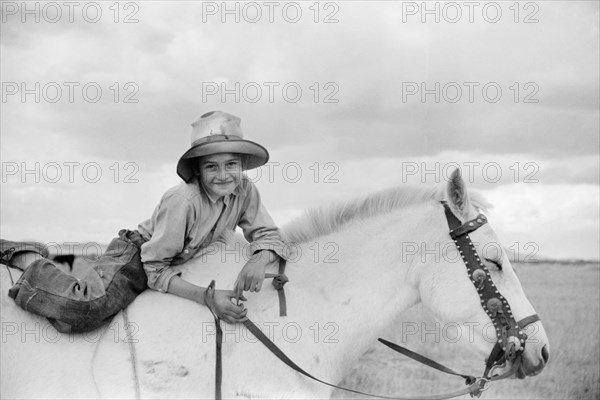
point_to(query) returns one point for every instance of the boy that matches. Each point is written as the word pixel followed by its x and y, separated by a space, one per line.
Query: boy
pixel 214 197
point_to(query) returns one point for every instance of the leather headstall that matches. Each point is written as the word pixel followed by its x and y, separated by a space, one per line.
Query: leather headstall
pixel 509 333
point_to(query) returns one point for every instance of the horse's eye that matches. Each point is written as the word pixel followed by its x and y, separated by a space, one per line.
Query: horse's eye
pixel 496 263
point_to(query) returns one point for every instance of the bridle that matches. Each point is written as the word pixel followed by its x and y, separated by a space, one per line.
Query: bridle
pixel 510 335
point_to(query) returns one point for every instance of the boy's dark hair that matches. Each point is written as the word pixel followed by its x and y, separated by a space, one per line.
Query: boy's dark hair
pixel 244 160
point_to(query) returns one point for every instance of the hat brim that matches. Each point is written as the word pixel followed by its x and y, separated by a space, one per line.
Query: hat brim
pixel 256 155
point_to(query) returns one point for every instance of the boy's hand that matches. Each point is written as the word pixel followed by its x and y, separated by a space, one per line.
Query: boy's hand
pixel 251 277
pixel 226 310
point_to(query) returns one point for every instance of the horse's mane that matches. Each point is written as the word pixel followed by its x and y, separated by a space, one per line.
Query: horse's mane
pixel 324 220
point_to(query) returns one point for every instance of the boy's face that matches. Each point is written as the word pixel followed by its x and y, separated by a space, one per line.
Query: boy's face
pixel 221 173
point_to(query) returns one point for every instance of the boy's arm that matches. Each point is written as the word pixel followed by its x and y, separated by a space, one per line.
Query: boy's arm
pixel 182 288
pixel 266 245
pixel 170 221
pixel 258 226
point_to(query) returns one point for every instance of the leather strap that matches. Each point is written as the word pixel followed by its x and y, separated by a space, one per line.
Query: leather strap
pixel 7 254
pixel 509 335
pixel 209 297
pixel 456 228
pixel 278 281
pixel 469 379
pixel 473 388
pixel 528 320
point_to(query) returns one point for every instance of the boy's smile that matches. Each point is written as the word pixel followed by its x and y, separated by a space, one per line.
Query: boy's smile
pixel 221 173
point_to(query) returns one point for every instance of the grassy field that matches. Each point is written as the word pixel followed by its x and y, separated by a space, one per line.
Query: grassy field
pixel 567 298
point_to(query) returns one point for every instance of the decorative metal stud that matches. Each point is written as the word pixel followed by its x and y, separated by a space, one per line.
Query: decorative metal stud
pixel 479 277
pixel 494 305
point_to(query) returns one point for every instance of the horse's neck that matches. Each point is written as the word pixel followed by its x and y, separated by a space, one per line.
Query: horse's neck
pixel 363 290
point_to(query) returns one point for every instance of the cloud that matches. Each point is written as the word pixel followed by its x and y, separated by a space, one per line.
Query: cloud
pixel 540 221
pixel 366 139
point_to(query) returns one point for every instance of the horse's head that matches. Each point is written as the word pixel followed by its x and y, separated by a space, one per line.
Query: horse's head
pixel 480 291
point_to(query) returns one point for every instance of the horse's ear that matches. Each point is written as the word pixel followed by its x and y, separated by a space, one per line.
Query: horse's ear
pixel 456 193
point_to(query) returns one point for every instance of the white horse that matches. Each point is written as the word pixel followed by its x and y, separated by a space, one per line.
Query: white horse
pixel 351 275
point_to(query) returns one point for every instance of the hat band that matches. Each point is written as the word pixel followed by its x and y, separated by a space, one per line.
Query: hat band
pixel 214 138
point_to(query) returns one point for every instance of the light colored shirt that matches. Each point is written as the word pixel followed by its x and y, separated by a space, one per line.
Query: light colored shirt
pixel 188 219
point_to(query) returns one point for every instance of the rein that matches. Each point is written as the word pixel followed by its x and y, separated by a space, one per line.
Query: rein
pixel 510 334
pixel 279 280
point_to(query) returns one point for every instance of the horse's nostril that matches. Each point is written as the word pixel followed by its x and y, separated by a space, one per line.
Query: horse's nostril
pixel 545 353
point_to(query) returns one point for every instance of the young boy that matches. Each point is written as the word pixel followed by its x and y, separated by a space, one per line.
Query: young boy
pixel 214 197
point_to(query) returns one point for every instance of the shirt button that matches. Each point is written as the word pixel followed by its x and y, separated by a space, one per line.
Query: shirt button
pixel 186 251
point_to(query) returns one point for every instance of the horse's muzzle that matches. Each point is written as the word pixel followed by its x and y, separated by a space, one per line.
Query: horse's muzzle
pixel 532 367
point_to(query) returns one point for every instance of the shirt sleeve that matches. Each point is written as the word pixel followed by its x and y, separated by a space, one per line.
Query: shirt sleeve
pixel 171 220
pixel 258 226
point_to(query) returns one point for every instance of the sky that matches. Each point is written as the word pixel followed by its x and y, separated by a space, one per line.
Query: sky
pixel 348 97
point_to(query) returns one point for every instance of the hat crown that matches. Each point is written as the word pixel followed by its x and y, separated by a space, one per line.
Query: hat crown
pixel 216 123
